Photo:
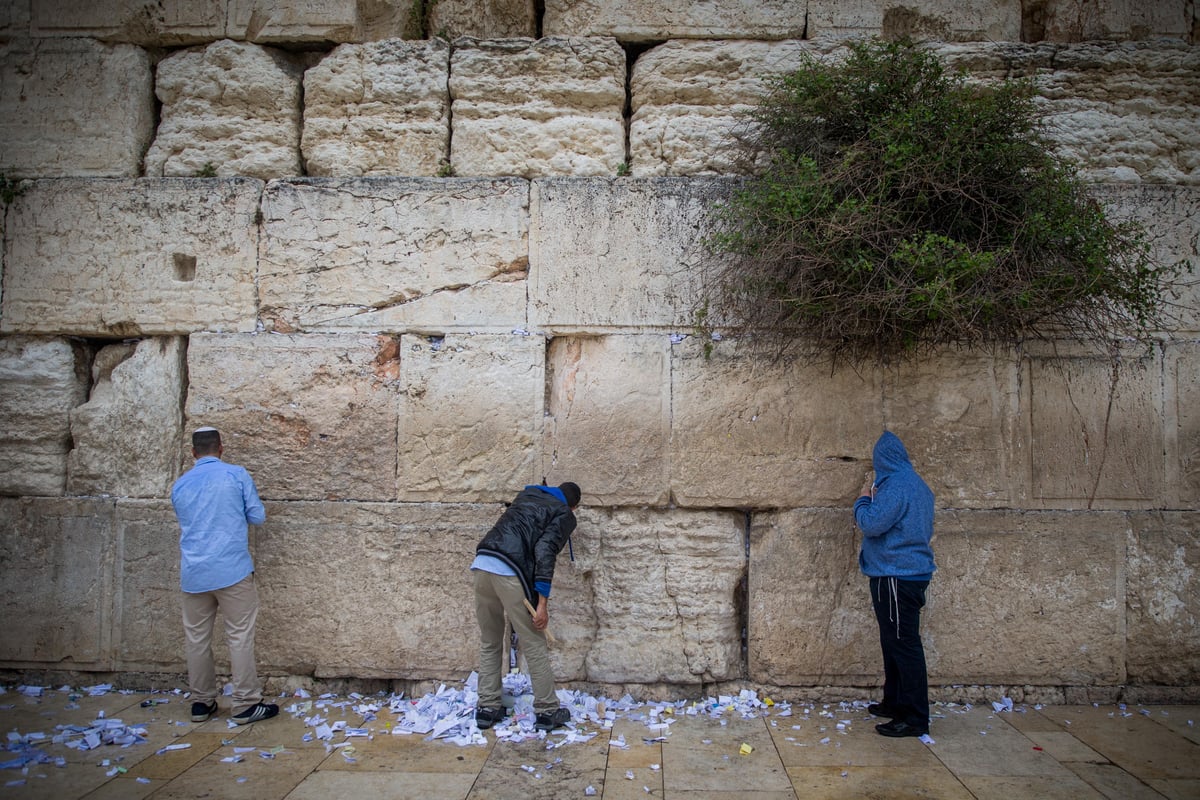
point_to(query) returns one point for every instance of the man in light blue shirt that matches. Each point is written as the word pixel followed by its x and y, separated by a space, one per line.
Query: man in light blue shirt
pixel 214 503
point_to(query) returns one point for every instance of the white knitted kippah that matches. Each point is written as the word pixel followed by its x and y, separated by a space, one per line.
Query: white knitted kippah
pixel 205 429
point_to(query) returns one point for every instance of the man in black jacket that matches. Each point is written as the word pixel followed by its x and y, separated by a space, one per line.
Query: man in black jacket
pixel 514 563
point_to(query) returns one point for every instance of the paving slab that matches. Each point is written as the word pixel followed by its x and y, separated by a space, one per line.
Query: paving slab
pixel 322 785
pixel 979 743
pixel 706 754
pixel 1113 782
pixel 891 782
pixel 1063 787
pixel 1135 743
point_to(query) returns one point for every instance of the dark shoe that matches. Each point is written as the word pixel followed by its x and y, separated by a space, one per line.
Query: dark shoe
pixel 881 710
pixel 202 711
pixel 898 727
pixel 487 717
pixel 256 712
pixel 555 719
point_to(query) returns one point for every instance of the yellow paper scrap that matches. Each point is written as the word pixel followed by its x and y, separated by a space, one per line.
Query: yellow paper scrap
pixel 745 749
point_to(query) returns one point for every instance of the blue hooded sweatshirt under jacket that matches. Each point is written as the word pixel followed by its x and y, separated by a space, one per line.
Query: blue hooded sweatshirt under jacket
pixel 898 524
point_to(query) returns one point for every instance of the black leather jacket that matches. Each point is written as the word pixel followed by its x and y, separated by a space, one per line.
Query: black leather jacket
pixel 529 535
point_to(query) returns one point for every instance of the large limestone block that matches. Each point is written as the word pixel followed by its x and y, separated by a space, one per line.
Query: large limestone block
pixel 127 434
pixel 1182 420
pixel 313 416
pixel 608 422
pixel 690 97
pixel 675 19
pixel 471 411
pixel 1095 428
pixel 127 258
pixel 143 22
pixel 1019 597
pixel 369 589
pixel 1162 604
pixel 922 20
pixel 1126 112
pixel 231 108
pixel 318 21
pixel 1027 597
pixel 483 19
pixel 1072 21
pixel 41 380
pixel 375 254
pixel 378 109
pixel 956 412
pixel 531 108
pixel 771 436
pixel 56 574
pixel 612 254
pixel 665 589
pixel 73 107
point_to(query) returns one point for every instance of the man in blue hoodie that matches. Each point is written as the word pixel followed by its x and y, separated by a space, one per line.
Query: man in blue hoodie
pixel 895 515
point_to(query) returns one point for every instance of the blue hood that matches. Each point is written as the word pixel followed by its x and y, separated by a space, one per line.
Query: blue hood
pixel 897 524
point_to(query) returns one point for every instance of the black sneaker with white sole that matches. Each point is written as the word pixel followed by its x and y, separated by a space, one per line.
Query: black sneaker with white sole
pixel 256 712
pixel 202 711
pixel 554 719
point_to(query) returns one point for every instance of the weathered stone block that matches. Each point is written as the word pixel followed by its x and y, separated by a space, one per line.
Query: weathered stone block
pixel 1096 429
pixel 486 19
pixel 1182 420
pixel 1161 600
pixel 665 588
pixel 688 97
pixel 972 20
pixel 73 107
pixel 748 434
pixel 56 573
pixel 231 108
pixel 127 434
pixel 128 258
pixel 41 380
pixel 675 19
pixel 530 108
pixel 613 254
pixel 956 412
pixel 1126 112
pixel 432 254
pixel 143 22
pixel 393 598
pixel 1069 21
pixel 471 411
pixel 378 109
pixel 608 421
pixel 315 20
pixel 311 416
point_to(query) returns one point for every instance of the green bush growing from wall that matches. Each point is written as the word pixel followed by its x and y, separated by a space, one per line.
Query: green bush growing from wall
pixel 894 207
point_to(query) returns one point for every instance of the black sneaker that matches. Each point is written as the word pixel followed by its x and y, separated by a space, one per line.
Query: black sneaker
pixel 555 719
pixel 256 712
pixel 881 710
pixel 487 717
pixel 898 727
pixel 202 711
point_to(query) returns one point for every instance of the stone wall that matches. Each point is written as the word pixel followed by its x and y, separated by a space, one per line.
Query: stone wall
pixel 406 275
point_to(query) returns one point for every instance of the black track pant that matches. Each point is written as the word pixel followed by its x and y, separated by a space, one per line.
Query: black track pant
pixel 898 605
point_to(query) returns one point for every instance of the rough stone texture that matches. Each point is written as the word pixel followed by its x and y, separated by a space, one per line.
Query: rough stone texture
pixel 378 109
pixel 1182 420
pixel 126 258
pixel 675 19
pixel 1126 112
pixel 312 416
pixel 957 413
pixel 433 254
pixel 971 20
pixel 143 22
pixel 1161 601
pixel 392 597
pixel 665 594
pixel 73 107
pixel 777 436
pixel 471 412
pixel 231 108
pixel 483 19
pixel 689 97
pixel 613 254
pixel 41 380
pixel 314 20
pixel 56 572
pixel 1072 21
pixel 608 423
pixel 1095 429
pixel 1010 603
pixel 531 108
pixel 127 434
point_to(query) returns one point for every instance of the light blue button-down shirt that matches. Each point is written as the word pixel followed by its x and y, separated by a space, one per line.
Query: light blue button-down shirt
pixel 213 502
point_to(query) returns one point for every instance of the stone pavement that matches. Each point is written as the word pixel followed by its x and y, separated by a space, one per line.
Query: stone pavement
pixel 817 752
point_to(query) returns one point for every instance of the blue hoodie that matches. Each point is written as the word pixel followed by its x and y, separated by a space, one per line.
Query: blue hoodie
pixel 898 524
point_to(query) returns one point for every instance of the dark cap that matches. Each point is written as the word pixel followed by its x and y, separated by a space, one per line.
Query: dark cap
pixel 571 492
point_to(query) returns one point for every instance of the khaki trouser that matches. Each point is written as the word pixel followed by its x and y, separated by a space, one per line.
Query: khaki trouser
pixel 239 607
pixel 496 595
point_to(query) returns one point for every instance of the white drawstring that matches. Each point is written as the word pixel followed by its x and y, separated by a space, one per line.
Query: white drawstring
pixel 894 585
